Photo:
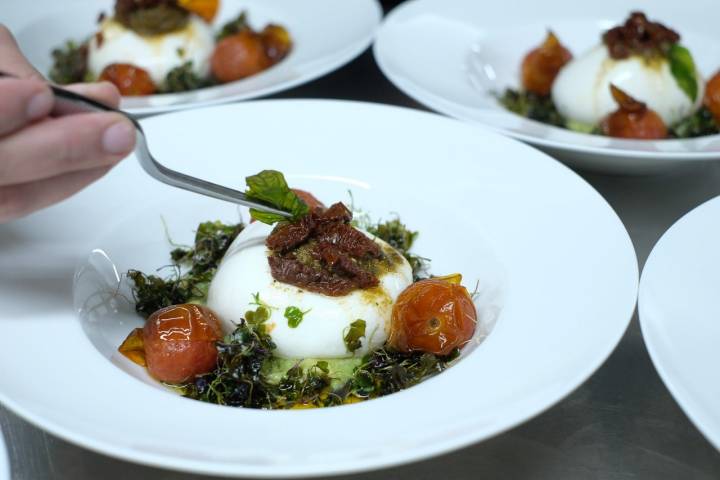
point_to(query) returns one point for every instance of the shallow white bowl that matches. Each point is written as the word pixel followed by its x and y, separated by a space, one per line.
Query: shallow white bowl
pixel 679 308
pixel 552 259
pixel 453 55
pixel 326 35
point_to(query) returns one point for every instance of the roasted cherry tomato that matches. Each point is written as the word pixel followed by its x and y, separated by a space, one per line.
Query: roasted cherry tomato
pixel 541 65
pixel 712 96
pixel 180 342
pixel 206 9
pixel 277 42
pixel 130 80
pixel 633 119
pixel 239 56
pixel 434 316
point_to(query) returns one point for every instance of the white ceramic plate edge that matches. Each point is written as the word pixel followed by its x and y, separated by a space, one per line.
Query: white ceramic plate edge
pixel 681 394
pixel 4 460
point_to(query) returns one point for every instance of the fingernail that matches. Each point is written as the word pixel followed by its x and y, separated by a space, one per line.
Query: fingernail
pixel 40 105
pixel 119 138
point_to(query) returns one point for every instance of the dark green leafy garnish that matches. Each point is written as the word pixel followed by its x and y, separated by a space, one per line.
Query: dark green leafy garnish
pixel 682 67
pixel 69 63
pixel 294 316
pixel 699 124
pixel 212 240
pixel 395 233
pixel 270 187
pixel 385 371
pixel 354 333
pixel 237 381
pixel 152 292
pixel 300 387
pixel 183 79
pixel 532 106
pixel 235 26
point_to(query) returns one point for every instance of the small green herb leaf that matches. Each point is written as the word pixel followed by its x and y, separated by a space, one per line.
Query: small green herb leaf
pixel 270 186
pixel 682 67
pixel 261 314
pixel 354 333
pixel 233 27
pixel 323 366
pixel 294 316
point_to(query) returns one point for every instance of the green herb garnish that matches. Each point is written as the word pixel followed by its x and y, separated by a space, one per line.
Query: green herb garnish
pixel 183 79
pixel 233 27
pixel 69 63
pixel 386 371
pixel 353 334
pixel 270 187
pixel 682 67
pixel 395 233
pixel 152 292
pixel 532 106
pixel 294 316
pixel 699 124
pixel 238 381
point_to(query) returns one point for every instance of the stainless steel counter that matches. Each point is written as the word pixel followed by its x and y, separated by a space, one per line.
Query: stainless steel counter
pixel 620 424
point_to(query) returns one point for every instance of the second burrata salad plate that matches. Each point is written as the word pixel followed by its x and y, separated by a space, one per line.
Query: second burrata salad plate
pixel 436 284
pixel 173 54
pixel 602 86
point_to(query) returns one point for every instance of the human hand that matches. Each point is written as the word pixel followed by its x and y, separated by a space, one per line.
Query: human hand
pixel 44 159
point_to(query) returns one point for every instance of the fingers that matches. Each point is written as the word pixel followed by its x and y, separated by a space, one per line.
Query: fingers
pixel 19 200
pixel 103 92
pixel 22 102
pixel 67 144
pixel 11 60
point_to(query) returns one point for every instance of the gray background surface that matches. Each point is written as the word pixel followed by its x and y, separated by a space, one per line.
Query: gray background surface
pixel 620 424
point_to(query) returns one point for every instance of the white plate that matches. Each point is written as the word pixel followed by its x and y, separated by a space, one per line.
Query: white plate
pixel 435 50
pixel 326 34
pixel 679 310
pixel 552 258
pixel 4 462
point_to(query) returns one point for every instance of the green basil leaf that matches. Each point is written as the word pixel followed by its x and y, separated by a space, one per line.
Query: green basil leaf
pixel 270 186
pixel 354 333
pixel 294 316
pixel 266 217
pixel 682 67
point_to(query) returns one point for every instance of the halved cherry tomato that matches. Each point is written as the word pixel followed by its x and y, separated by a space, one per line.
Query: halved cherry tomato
pixel 180 342
pixel 129 79
pixel 541 65
pixel 712 96
pixel 633 119
pixel 239 56
pixel 434 315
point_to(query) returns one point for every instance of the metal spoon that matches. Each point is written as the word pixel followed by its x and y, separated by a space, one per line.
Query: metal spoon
pixel 67 102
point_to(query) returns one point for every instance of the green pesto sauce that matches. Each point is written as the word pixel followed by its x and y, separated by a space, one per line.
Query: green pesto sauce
pixel 341 369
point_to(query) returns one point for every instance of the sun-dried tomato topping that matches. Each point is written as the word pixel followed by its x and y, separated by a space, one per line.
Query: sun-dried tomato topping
pixel 639 36
pixel 323 253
